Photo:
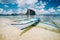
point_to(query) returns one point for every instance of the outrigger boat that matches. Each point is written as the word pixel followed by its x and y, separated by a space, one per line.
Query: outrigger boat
pixel 27 23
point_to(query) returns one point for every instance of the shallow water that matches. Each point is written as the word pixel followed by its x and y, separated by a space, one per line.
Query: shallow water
pixel 44 19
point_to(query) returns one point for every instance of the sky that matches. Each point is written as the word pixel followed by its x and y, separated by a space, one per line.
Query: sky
pixel 21 6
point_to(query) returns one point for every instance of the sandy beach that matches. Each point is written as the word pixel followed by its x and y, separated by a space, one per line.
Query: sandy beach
pixel 40 34
pixel 8 32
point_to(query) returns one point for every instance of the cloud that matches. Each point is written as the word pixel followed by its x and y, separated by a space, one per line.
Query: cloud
pixel 30 1
pixel 42 11
pixel 51 10
pixel 31 4
pixel 26 2
pixel 58 10
pixel 23 5
pixel 9 12
pixel 7 1
pixel 41 5
pixel 58 6
pixel 1 10
pixel 39 9
pixel 6 6
pixel 19 10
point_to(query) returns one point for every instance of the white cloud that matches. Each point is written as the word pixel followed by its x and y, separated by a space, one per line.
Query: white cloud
pixel 9 12
pixel 58 10
pixel 7 1
pixel 42 5
pixel 18 1
pixel 1 10
pixel 19 10
pixel 6 6
pixel 42 11
pixel 51 10
pixel 31 1
pixel 33 6
pixel 23 2
pixel 58 6
pixel 39 9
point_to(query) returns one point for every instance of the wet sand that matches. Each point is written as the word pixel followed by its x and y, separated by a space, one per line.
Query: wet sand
pixel 8 32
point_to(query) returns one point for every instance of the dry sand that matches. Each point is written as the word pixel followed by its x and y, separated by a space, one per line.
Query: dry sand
pixel 8 32
pixel 40 34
